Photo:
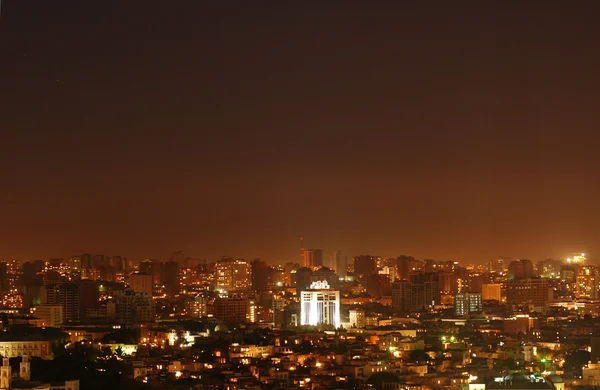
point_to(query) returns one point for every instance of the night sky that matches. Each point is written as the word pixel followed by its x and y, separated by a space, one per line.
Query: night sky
pixel 236 127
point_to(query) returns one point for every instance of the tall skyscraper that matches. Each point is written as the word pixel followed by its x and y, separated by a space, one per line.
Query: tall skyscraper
pixel 172 282
pixel 4 282
pixel 402 296
pixel 339 263
pixel 179 258
pixel 313 258
pixel 260 275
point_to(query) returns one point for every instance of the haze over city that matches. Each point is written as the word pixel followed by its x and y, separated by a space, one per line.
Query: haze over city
pixel 463 132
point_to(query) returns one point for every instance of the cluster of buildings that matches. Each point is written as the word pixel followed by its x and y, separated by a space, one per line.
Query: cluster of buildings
pixel 328 323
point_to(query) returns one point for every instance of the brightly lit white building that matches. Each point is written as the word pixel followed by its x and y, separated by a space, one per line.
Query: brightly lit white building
pixel 320 305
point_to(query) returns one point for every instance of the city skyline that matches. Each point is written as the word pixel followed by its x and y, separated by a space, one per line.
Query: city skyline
pixel 327 259
pixel 443 131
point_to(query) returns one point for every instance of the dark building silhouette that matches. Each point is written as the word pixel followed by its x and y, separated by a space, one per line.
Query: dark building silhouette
pixel 379 285
pixel 260 275
pixel 302 279
pixel 521 269
pixel 364 265
pixel 171 279
pixel 4 282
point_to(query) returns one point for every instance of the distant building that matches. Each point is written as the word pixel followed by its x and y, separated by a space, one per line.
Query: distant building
pixel 233 275
pixel 534 291
pixel 232 309
pixel 402 296
pixel 357 318
pixel 491 292
pixel 50 315
pixel 313 258
pixel 364 265
pixel 74 298
pixel 198 307
pixel 301 279
pixel 467 303
pixel 379 285
pixel 141 283
pixel 520 269
pixel 339 264
pixel 260 275
pixel 586 286
pixel 131 308
pixel 171 281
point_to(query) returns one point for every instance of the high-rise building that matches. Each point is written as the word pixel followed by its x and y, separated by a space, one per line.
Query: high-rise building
pixel 521 269
pixel 320 305
pixel 379 285
pixel 364 265
pixel 260 275
pixel 171 282
pixel 390 271
pixel 496 265
pixel 587 283
pixel 141 283
pixel 74 297
pixel 198 307
pixel 233 275
pixel 491 292
pixel 313 258
pixel 154 268
pixel 131 308
pixel 402 296
pixel 4 282
pixel 339 263
pixel 179 258
pixel 467 303
pixel 535 291
pixel 405 265
pixel 232 309
pixel 301 279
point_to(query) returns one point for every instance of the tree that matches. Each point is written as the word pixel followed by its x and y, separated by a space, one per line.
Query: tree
pixel 378 380
pixel 419 356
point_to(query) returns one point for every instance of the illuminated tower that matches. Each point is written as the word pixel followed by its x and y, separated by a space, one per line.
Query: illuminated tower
pixel 320 305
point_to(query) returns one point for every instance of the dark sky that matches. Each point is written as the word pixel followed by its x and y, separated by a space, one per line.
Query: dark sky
pixel 441 130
